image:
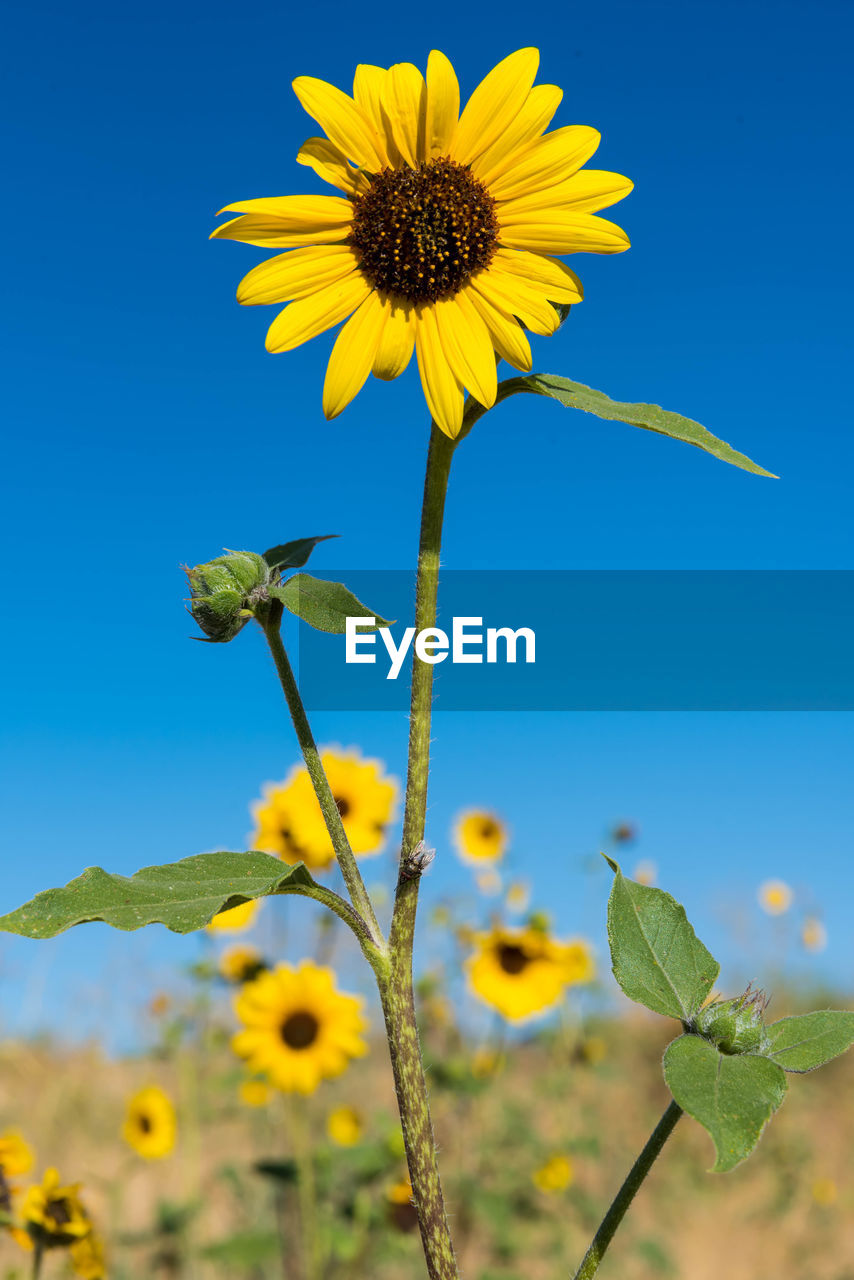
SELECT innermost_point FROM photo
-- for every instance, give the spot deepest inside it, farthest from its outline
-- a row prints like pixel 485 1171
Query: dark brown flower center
pixel 422 232
pixel 59 1212
pixel 145 1124
pixel 299 1030
pixel 512 959
pixel 488 830
pixel 342 805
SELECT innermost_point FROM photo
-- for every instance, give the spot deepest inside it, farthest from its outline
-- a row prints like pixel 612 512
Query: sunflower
pixel 16 1155
pixel 255 1092
pixel 298 1029
pixel 443 240
pixel 775 897
pixel 53 1213
pixel 813 934
pixel 553 1176
pixel 237 919
pixel 480 837
pixel 289 821
pixel 519 972
pixel 150 1125
pixel 87 1258
pixel 578 962
pixel 345 1126
pixel 241 963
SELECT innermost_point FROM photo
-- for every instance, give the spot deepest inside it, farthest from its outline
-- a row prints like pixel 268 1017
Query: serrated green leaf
pixel 656 956
pixel 293 555
pixel 808 1040
pixel 649 417
pixel 326 606
pixel 183 896
pixel 733 1096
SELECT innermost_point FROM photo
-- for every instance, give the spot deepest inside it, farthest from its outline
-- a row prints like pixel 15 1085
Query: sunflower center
pixel 342 805
pixel 488 830
pixel 512 959
pixel 422 232
pixel 299 1030
pixel 145 1125
pixel 58 1212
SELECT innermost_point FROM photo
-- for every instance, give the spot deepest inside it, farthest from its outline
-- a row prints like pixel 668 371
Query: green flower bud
pixel 735 1026
pixel 225 592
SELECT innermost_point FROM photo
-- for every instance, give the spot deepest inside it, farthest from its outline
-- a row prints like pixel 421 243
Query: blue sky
pixel 148 427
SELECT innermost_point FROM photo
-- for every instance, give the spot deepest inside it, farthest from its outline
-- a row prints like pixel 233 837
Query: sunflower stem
pixel 38 1258
pixel 270 624
pixel 627 1192
pixel 396 991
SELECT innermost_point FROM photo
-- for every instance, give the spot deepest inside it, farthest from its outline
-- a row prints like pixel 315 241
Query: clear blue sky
pixel 146 427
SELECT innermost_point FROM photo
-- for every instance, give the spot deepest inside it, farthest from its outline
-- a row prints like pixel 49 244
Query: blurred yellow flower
pixel 489 883
pixel 290 824
pixel 53 1213
pixel 555 1175
pixel 825 1192
pixel 240 963
pixel 445 233
pixel 579 965
pixel 150 1125
pixel 344 1126
pixel 255 1092
pixel 159 1004
pixel 298 1029
pixel 237 920
pixel 518 896
pixel 16 1155
pixel 480 837
pixel 402 1211
pixel 519 972
pixel 775 897
pixel 813 934
pixel 485 1063
pixel 88 1259
pixel 645 872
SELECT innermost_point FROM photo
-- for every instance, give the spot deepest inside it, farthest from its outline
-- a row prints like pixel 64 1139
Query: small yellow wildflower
pixel 555 1175
pixel 345 1126
pixel 775 897
pixel 241 963
pixel 813 935
pixel 480 837
pixel 518 896
pixel 825 1192
pixel 87 1258
pixel 255 1092
pixel 150 1125
pixel 16 1155
pixel 489 883
pixel 53 1213
pixel 237 920
pixel 579 965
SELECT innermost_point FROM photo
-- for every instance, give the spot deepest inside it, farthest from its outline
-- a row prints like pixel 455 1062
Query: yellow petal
pixel 267 233
pixel 535 116
pixel 306 319
pixel 330 164
pixel 404 102
pixel 551 159
pixel 506 336
pixel 547 275
pixel 494 104
pixel 442 391
pixel 353 354
pixel 368 87
pixel 586 191
pixel 396 341
pixel 296 274
pixel 563 231
pixel 443 105
pixel 509 295
pixel 465 342
pixel 287 220
pixel 341 119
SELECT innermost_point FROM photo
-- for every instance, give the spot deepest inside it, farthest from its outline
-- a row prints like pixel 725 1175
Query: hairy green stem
pixel 627 1192
pixel 396 992
pixel 331 816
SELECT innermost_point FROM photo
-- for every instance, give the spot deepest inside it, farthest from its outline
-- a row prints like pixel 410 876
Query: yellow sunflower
pixel 150 1125
pixel 87 1258
pixel 16 1155
pixel 480 837
pixel 579 964
pixel 813 934
pixel 241 963
pixel 519 972
pixel 555 1175
pixel 775 897
pixel 255 1092
pixel 443 240
pixel 298 1029
pixel 237 919
pixel 53 1213
pixel 345 1126
pixel 289 821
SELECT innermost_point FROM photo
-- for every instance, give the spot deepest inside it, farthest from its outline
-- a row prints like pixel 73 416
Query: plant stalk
pixel 349 867
pixel 627 1192
pixel 396 992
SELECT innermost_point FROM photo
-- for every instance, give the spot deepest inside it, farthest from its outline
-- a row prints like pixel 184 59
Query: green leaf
pixel 657 958
pixel 733 1096
pixel 323 605
pixel 809 1040
pixel 182 895
pixel 293 555
pixel 650 417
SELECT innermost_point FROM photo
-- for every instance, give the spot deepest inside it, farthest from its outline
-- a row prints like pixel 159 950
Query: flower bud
pixel 735 1026
pixel 224 593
